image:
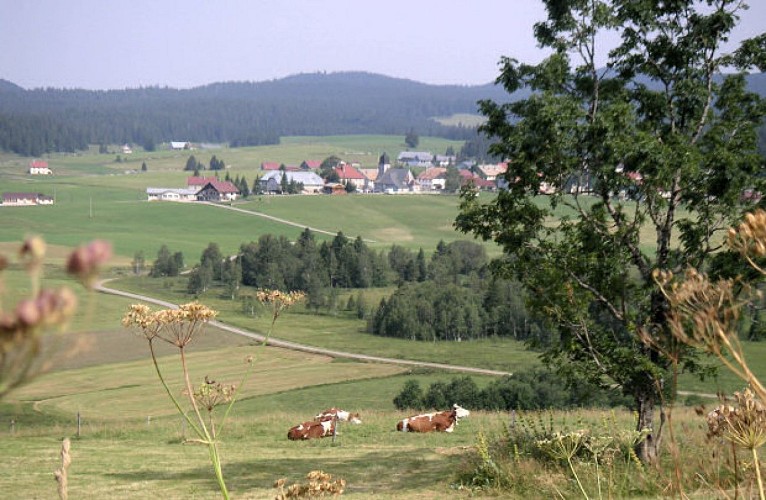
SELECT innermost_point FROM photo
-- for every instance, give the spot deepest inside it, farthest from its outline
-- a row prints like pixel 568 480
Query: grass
pixel 122 453
pixel 139 460
pixel 344 332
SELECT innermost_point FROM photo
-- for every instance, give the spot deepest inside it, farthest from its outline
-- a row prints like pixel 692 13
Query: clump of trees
pixel 533 389
pixel 167 264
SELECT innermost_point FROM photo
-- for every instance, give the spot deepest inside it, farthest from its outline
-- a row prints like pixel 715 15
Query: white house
pixel 39 167
pixel 176 145
pixel 432 179
pixel 26 199
pixel 271 181
pixel 172 194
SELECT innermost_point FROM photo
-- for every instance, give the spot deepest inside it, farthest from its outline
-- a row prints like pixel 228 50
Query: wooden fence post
pixel 13 426
pixel 79 424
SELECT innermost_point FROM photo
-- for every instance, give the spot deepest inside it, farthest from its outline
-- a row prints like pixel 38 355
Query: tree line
pixel 449 295
pixel 533 389
pixel 34 122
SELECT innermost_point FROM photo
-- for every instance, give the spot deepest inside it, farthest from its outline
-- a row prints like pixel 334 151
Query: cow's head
pixel 460 412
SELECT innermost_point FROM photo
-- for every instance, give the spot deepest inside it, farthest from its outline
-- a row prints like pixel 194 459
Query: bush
pixel 533 390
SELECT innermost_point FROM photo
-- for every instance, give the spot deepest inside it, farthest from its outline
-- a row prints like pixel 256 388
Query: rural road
pixel 301 347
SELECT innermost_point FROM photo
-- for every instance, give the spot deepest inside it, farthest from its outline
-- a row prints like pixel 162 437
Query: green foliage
pixel 535 389
pixel 412 139
pixel 626 149
pixel 410 398
pixel 167 264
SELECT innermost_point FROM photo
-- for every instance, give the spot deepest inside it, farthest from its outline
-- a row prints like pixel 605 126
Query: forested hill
pixel 36 121
pixel 33 122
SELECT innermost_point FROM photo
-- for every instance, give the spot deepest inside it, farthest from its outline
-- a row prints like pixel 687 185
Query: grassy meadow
pixel 131 440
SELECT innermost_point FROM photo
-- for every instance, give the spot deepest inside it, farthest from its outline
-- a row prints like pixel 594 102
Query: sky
pixel 116 44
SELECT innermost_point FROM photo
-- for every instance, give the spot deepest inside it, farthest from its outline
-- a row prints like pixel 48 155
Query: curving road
pixel 302 347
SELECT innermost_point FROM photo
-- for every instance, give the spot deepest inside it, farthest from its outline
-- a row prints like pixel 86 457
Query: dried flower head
pixel 277 300
pixel 86 260
pixel 743 425
pixel 702 313
pixel 319 484
pixel 210 394
pixel 174 326
pixel 749 238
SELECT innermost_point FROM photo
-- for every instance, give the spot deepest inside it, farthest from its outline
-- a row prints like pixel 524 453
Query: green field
pixel 130 445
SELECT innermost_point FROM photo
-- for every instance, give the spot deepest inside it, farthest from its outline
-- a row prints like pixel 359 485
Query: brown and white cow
pixel 342 415
pixel 444 421
pixel 311 430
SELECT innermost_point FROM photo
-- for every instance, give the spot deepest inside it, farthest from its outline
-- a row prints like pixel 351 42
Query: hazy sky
pixel 114 44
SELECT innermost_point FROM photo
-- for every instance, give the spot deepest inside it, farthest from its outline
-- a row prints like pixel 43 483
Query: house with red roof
pixel 270 165
pixel 466 176
pixel 218 191
pixel 492 171
pixel 195 181
pixel 348 174
pixel 39 167
pixel 311 164
pixel 432 179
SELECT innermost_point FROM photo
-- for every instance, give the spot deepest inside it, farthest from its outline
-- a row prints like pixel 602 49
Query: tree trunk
pixel 648 448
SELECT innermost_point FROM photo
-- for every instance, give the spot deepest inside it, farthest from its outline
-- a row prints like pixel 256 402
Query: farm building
pixel 39 167
pixel 26 199
pixel 415 158
pixel 178 145
pixel 396 180
pixel 334 188
pixel 492 171
pixel 349 174
pixel 311 165
pixel 271 182
pixel 199 182
pixel 218 191
pixel 172 194
pixel 432 179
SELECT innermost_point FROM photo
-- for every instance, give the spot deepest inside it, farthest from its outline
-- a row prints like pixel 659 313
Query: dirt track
pixel 302 347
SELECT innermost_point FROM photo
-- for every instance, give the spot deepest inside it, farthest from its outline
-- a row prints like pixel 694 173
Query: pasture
pixel 131 441
pixel 130 444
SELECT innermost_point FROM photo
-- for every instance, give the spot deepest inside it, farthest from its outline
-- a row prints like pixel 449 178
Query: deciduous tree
pixel 648 157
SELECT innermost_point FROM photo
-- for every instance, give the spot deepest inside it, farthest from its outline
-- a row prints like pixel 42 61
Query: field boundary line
pixel 286 344
pixel 276 219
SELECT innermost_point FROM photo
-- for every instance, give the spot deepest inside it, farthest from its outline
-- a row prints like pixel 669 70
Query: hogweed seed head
pixel 174 326
pixel 743 425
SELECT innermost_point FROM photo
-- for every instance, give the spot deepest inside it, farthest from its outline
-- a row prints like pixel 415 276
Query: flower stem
pixel 757 466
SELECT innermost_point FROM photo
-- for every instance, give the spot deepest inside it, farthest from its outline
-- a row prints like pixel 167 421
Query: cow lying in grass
pixel 341 415
pixel 312 430
pixel 444 421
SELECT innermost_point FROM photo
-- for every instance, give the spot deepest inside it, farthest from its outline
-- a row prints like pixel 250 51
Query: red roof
pixel 432 173
pixel 313 163
pixel 346 171
pixel 199 181
pixel 270 165
pixel 223 186
pixel 38 164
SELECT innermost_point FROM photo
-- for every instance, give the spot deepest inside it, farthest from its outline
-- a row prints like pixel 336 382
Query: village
pixel 412 172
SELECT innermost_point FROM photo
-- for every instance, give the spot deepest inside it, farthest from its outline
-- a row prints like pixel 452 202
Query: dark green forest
pixel 44 120
pixel 33 122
